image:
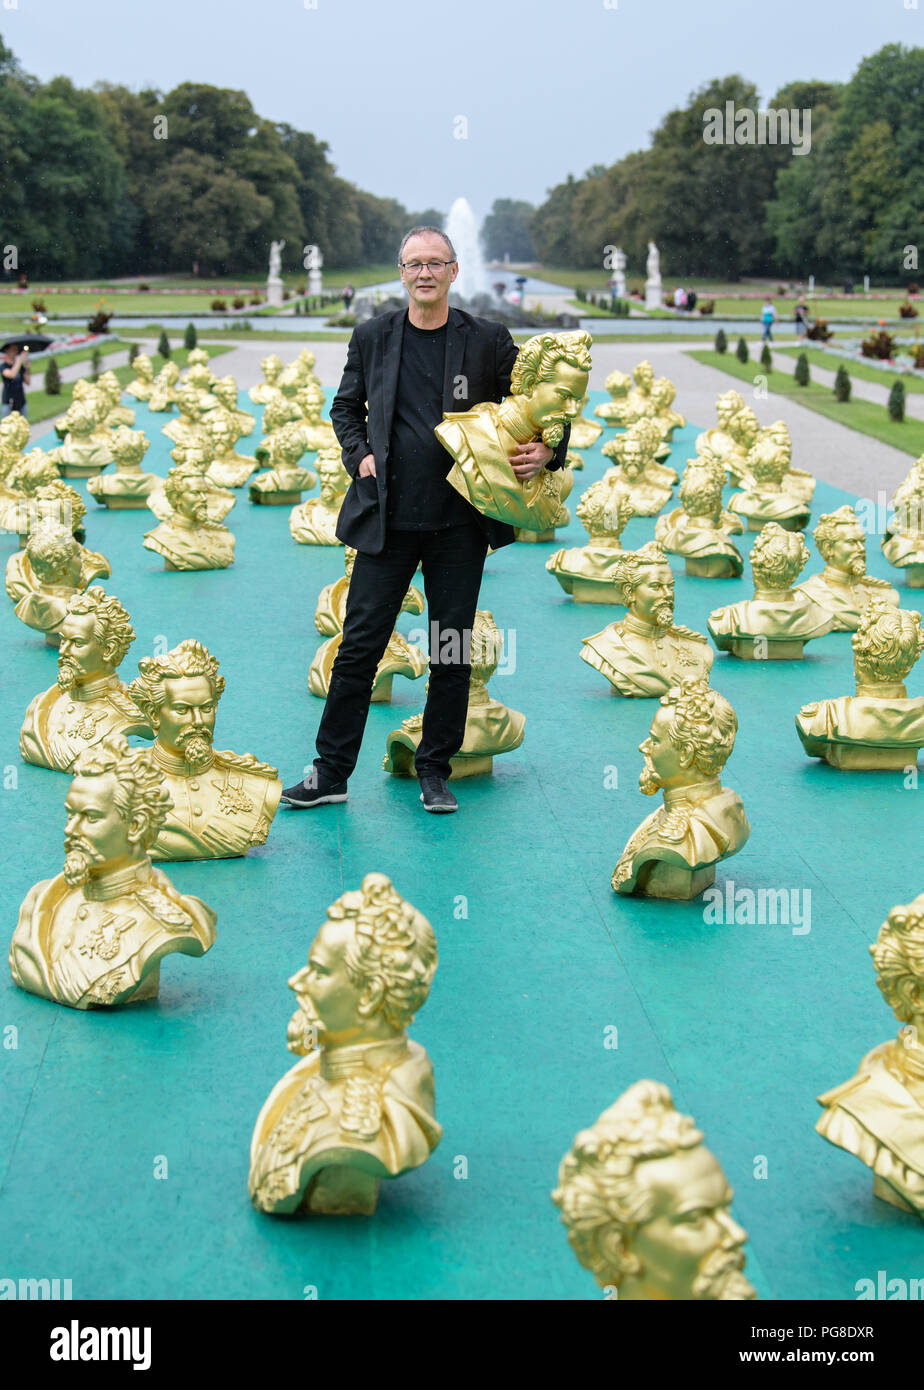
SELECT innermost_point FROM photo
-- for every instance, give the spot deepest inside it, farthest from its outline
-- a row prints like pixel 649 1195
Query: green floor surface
pixel 747 1024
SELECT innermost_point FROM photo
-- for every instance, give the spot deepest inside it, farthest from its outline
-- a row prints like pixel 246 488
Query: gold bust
pixel 117 414
pixel 401 657
pixel 220 500
pixel 795 481
pixel 490 727
pixel 547 384
pixel 586 572
pixel 735 434
pixel 227 468
pixel 764 497
pixel 128 486
pixel 699 530
pixel 263 393
pixel 584 432
pixel 86 449
pixel 612 411
pixel 224 389
pixel 188 540
pixel 89 702
pixel 879 727
pixel 143 384
pixel 360 1105
pixel 163 395
pixel 674 851
pixel 14 436
pixel 647 1208
pixel 51 501
pixel 646 653
pixel 279 412
pixel 778 621
pixel 199 376
pixel 284 482
pixel 903 543
pixel 188 427
pixel 878 1115
pixel 314 521
pixel 24 474
pixel 655 405
pixel 223 803
pixel 843 587
pixel 95 935
pixel 41 579
pixel 637 471
pixel 318 433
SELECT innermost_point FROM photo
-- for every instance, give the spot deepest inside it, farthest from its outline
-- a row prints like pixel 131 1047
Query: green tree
pixel 96 362
pixel 896 405
pixel 505 230
pixel 766 357
pixel 52 378
pixel 741 351
pixel 721 342
pixel 201 211
pixel 190 337
pixel 163 344
pixel 842 384
pixel 802 374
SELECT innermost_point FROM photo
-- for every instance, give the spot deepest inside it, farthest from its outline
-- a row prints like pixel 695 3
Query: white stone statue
pixel 618 282
pixel 275 265
pixel 653 283
pixel 314 262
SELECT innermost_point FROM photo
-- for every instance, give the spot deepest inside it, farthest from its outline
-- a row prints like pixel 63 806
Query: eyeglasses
pixel 414 268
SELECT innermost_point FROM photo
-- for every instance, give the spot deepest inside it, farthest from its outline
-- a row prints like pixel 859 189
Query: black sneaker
pixel 436 796
pixel 314 792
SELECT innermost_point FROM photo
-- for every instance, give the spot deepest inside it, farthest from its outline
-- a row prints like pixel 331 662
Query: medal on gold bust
pixel 89 702
pixel 401 657
pixel 878 1115
pixel 41 579
pixel 223 802
pixel 674 851
pixel 778 621
pixel 490 727
pixel 646 653
pixel 94 936
pixel 547 384
pixel 843 587
pixel 127 487
pixel 879 727
pixel 359 1106
pixel 647 1208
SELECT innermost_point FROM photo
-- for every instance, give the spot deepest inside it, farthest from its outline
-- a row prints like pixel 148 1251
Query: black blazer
pixel 479 358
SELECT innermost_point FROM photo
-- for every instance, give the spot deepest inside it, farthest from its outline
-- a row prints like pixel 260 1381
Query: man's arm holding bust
pixel 529 458
pixel 348 414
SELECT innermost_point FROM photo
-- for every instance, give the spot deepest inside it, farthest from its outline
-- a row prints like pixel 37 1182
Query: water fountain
pixel 462 230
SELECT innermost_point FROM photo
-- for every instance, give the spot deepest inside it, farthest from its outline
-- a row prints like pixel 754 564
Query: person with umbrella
pixel 16 377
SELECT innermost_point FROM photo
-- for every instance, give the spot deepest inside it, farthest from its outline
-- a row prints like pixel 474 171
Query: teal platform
pixel 746 1023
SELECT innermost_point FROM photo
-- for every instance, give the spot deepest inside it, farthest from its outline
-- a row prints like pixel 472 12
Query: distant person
pixel 800 314
pixel 691 300
pixel 848 287
pixel 347 297
pixel 680 298
pixel 16 377
pixel 768 319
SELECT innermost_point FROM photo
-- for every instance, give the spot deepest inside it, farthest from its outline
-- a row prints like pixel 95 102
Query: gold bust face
pixel 80 654
pixel 328 1000
pixel 95 833
pixel 847 550
pixel 186 719
pixel 653 596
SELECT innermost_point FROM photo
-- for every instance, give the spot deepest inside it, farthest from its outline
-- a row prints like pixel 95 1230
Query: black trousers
pixel 452 560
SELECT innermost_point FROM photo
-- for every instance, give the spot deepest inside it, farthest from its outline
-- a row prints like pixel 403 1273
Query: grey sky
pixel 547 87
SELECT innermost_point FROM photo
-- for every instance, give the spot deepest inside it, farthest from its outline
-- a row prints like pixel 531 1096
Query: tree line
pixel 107 181
pixel 849 204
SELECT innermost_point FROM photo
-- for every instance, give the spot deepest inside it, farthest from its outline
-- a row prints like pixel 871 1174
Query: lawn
pixel 83 354
pixel 865 370
pixel 864 416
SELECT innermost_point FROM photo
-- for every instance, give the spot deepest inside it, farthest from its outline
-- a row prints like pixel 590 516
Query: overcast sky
pixel 546 87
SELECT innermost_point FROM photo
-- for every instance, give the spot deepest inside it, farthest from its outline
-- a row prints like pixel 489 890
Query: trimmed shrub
pixel 819 332
pixel 766 357
pixel 237 302
pixel 52 378
pixel 133 352
pixel 219 305
pixel 880 345
pixel 706 306
pixel 802 374
pixel 897 401
pixel 907 310
pixel 842 384
pixel 721 342
pixel 96 361
pixel 190 337
pixel 163 344
pixel 741 351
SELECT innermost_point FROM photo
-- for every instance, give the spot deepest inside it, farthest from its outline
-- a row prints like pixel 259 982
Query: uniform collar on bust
pixel 697 791
pixel 92 690
pixel 100 887
pixel 377 1056
pixel 178 766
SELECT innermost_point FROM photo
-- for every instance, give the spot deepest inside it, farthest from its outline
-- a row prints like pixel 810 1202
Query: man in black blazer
pixel 404 370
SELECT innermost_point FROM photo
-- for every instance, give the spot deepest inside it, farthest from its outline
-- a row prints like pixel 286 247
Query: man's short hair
pixel 704 724
pixel 777 556
pixel 51 548
pixel 175 483
pixel 601 1200
pixel 888 641
pixel 829 525
pixel 433 231
pixel 538 358
pixel 189 658
pixel 111 623
pixel 139 790
pixel 702 483
pixel 393 947
pixel 898 955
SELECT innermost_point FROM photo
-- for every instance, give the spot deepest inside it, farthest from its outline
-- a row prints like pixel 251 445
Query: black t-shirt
pixel 419 498
pixel 14 392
